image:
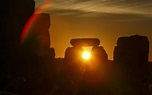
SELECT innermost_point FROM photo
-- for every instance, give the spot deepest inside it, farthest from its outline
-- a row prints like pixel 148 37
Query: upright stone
pixel 131 61
pixel 41 59
pixel 14 15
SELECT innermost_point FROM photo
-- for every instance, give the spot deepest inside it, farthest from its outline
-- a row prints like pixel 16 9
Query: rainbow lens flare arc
pixel 31 20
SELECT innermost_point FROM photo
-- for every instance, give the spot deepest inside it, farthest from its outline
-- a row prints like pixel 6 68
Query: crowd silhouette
pixel 31 68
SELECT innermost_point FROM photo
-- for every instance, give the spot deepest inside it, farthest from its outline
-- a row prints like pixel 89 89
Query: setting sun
pixel 86 55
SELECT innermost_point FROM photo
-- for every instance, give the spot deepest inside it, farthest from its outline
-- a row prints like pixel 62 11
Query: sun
pixel 86 55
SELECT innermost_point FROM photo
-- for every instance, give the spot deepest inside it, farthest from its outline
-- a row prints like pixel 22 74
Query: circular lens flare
pixel 86 55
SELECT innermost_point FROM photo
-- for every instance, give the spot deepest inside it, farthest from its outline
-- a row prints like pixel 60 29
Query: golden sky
pixel 64 28
pixel 104 19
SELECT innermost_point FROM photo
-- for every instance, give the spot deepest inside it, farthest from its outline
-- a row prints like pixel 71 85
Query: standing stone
pixel 131 62
pixel 95 77
pixel 14 15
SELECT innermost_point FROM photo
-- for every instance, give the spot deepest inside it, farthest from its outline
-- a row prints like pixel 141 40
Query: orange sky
pixel 107 29
pixel 104 19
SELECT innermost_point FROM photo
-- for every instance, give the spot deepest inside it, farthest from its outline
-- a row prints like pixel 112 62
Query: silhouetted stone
pixel 73 63
pixel 51 53
pixel 150 69
pixel 14 15
pixel 95 77
pixel 38 33
pixel 39 57
pixel 85 42
pixel 96 70
pixel 19 13
pixel 71 72
pixel 131 62
pixel 99 53
pixel 27 69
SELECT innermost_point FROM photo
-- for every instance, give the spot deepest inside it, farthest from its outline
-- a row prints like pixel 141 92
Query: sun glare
pixel 86 55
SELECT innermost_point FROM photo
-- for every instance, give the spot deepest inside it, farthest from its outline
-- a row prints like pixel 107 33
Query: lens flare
pixel 86 55
pixel 29 25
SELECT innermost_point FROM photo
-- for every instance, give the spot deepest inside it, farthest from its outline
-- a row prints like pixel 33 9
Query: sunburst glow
pixel 86 55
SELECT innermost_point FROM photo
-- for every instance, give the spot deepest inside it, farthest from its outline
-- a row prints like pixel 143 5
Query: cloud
pixel 38 3
pixel 98 7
